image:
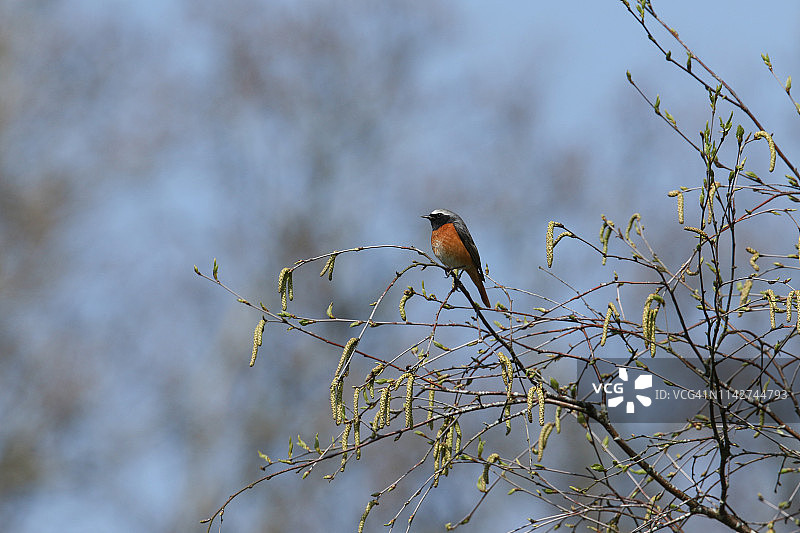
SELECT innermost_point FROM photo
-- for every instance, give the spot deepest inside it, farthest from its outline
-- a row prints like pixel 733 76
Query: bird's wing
pixel 469 244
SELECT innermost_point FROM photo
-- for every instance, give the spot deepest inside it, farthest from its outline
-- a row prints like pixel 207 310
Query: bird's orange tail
pixel 473 274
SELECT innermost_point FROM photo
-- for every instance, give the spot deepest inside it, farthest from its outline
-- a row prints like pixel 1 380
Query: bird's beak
pixel 425 216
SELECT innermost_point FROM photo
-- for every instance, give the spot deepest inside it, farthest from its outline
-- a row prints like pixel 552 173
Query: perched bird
pixel 453 245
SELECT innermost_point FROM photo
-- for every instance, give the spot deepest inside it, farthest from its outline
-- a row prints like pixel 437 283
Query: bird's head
pixel 440 217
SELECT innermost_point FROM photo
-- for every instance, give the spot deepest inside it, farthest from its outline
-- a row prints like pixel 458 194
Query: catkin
pixel 549 243
pixel 771 143
pixel 257 335
pixel 409 397
pixel 679 194
pixel 544 434
pixel 611 310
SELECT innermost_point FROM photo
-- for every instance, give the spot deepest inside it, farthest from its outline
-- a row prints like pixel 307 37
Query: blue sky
pixel 143 413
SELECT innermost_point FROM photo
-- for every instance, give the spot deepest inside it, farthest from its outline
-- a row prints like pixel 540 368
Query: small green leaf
pixel 598 467
pixel 302 444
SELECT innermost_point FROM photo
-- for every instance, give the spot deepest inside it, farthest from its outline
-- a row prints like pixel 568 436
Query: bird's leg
pixel 456 273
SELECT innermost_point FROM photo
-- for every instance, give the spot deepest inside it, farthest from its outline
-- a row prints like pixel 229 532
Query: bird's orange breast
pixel 447 246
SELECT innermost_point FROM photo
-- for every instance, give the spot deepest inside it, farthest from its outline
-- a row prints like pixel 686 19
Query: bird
pixel 453 245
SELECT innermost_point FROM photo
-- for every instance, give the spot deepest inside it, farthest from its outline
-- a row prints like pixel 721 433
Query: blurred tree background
pixel 140 138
